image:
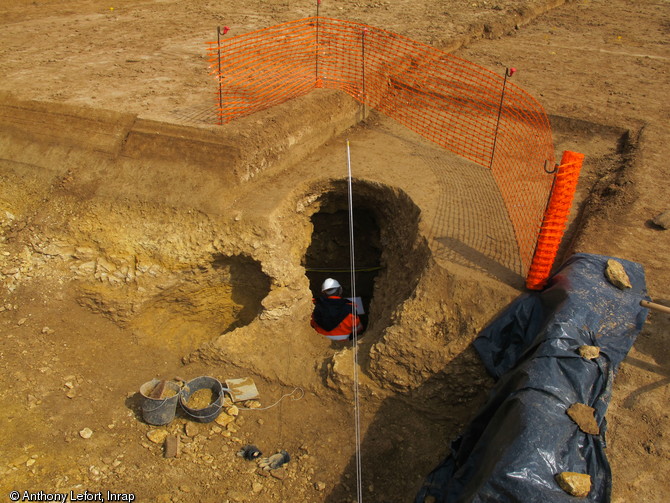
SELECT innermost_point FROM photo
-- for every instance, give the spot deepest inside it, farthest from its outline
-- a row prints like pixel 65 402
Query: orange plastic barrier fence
pixel 457 104
pixel 555 219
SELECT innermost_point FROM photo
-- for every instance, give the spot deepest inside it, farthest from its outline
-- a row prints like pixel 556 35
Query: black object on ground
pixel 249 452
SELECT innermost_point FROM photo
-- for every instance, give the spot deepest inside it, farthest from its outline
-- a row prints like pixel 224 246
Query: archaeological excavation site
pixel 178 181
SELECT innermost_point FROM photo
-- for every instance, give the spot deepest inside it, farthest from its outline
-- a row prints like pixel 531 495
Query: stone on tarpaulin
pixel 589 352
pixel 584 417
pixel 575 484
pixel 616 274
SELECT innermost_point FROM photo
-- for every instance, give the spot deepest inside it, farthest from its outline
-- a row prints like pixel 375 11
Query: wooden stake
pixel 655 307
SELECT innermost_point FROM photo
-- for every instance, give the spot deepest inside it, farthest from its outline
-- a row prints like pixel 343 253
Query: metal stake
pixel 318 3
pixel 508 73
pixel 220 32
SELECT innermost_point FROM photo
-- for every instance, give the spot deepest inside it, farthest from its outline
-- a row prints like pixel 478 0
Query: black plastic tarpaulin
pixel 522 437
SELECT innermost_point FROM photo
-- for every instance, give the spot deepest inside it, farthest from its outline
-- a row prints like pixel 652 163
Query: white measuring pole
pixel 352 264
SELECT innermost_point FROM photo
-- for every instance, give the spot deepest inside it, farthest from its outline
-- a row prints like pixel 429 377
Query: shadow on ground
pixel 410 434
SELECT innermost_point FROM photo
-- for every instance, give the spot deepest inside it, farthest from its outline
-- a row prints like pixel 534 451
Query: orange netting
pixel 457 104
pixel 555 219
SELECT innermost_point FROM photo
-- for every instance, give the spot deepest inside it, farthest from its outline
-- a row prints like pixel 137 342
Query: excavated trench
pixel 183 270
pixel 210 283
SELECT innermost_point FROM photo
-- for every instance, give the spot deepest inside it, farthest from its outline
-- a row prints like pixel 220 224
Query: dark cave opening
pixel 390 255
pixel 328 255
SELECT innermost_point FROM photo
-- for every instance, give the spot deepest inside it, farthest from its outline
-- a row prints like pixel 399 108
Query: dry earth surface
pixel 139 240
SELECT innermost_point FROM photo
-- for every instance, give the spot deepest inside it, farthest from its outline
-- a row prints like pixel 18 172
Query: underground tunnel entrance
pixel 328 256
pixel 389 254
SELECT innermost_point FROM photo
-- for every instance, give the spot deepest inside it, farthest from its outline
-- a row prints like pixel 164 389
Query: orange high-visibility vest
pixel 343 330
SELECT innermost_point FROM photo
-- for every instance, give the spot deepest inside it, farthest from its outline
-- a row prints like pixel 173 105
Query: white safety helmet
pixel 330 286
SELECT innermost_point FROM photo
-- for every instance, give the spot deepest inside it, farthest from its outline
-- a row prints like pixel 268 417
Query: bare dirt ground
pixel 138 241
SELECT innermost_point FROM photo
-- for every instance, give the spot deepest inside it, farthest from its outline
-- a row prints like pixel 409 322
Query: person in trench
pixel 334 316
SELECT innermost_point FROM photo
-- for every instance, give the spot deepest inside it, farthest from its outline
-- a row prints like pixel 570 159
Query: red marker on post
pixel 508 73
pixel 220 32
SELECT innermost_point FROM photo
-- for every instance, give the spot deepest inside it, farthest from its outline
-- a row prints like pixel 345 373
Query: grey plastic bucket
pixel 159 411
pixel 212 411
